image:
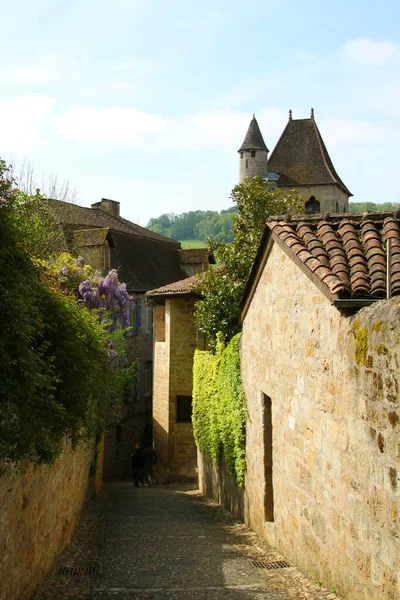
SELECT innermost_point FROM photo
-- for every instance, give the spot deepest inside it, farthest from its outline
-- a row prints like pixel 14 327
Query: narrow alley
pixel 167 543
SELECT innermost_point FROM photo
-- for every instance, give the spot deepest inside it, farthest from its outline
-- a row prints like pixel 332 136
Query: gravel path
pixel 166 543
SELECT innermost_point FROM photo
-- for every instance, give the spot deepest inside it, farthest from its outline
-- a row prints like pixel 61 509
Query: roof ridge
pixel 280 137
pixel 325 155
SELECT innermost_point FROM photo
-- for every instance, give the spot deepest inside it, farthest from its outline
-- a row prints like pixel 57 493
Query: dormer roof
pixel 300 157
pixel 253 139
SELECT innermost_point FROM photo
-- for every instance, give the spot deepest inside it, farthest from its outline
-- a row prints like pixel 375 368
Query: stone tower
pixel 299 161
pixel 253 153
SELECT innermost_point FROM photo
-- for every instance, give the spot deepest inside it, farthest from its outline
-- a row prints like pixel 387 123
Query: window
pixel 241 155
pixel 119 433
pixel 184 409
pixel 148 318
pixel 247 163
pixel 312 206
pixel 337 206
pixel 253 153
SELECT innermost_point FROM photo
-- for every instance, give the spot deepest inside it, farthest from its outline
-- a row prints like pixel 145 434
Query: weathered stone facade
pixel 39 510
pixel 330 197
pixel 323 441
pixel 175 343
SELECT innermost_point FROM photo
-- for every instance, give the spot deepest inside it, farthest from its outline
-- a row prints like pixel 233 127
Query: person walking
pixel 149 459
pixel 137 465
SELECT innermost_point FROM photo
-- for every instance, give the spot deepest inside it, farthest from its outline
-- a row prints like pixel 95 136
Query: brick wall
pixel 333 385
pixel 39 510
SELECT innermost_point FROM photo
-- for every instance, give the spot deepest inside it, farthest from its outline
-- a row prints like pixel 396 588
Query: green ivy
pixel 219 407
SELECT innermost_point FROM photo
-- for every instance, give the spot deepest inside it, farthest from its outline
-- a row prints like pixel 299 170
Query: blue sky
pixel 147 101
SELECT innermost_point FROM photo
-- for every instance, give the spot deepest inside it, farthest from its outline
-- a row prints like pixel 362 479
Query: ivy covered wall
pixel 219 407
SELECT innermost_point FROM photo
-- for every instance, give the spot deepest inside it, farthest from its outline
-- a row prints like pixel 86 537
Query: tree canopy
pixel 197 224
pixel 222 287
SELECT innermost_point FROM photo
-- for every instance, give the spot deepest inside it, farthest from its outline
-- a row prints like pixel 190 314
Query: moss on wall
pixel 361 335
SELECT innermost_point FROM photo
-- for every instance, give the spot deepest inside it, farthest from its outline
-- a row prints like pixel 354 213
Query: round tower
pixel 253 153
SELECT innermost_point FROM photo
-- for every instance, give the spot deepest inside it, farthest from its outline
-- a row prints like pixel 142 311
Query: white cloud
pixel 130 127
pixel 137 63
pixel 22 74
pixel 367 52
pixel 115 126
pixel 339 132
pixel 22 120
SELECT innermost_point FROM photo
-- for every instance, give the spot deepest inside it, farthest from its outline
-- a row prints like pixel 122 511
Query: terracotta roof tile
pixel 346 252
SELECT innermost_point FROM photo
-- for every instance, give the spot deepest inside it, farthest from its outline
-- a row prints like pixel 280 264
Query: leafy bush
pixel 54 366
pixel 222 288
pixel 219 407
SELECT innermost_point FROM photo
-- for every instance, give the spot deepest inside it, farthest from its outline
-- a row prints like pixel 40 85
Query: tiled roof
pixel 195 256
pixel 300 157
pixel 144 264
pixel 253 139
pixel 346 252
pixel 90 237
pixel 82 217
pixel 183 287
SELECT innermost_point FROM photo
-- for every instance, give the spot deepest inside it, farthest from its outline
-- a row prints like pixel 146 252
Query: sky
pixel 147 101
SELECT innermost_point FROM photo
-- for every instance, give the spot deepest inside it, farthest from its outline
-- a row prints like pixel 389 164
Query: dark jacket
pixel 149 455
pixel 137 459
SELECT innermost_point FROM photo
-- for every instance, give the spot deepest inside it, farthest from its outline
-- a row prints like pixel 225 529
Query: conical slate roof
pixel 254 139
pixel 300 157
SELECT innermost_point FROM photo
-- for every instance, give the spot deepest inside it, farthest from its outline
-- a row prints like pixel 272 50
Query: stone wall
pixel 250 166
pixel 331 197
pixel 183 452
pixel 173 365
pixel 322 480
pixel 39 510
pixel 215 482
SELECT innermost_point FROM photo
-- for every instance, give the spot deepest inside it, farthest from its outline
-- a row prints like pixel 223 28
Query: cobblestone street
pixel 167 543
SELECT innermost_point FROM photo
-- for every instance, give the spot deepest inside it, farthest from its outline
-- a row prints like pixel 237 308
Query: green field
pixel 187 244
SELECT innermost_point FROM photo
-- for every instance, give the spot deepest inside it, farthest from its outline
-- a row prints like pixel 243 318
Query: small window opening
pixel 253 153
pixel 241 155
pixel 268 460
pixel 119 433
pixel 337 206
pixel 247 163
pixel 312 206
pixel 184 409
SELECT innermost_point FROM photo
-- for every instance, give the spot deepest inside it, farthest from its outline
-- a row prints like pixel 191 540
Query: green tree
pixel 223 286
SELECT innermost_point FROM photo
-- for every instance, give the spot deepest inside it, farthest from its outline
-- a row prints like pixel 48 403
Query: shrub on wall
pixel 219 409
pixel 54 365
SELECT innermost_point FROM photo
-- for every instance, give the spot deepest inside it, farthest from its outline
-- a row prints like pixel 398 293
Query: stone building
pixel 175 340
pixel 319 358
pixel 145 260
pixel 299 161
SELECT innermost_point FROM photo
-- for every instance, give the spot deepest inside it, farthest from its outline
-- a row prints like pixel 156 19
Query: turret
pixel 253 153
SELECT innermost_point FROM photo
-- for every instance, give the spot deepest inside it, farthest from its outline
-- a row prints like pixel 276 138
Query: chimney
pixel 109 206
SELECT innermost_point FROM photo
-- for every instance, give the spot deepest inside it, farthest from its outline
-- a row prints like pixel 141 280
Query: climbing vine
pixel 219 407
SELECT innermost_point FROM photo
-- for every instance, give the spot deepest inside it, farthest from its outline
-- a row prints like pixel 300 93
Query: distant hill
pixel 194 227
